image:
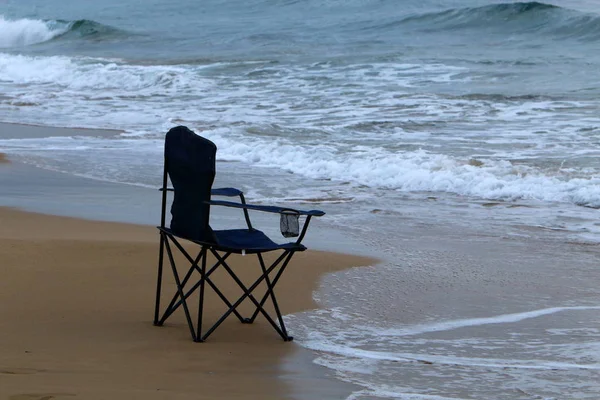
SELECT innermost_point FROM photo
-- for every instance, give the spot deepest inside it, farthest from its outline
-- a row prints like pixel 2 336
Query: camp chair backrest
pixel 190 163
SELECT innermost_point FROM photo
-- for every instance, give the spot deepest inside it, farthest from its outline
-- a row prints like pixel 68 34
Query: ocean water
pixel 421 127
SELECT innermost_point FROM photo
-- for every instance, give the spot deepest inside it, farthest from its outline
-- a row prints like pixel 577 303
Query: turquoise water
pixel 444 120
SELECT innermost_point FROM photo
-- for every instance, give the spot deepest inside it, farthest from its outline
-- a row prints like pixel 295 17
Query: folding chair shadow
pixel 190 165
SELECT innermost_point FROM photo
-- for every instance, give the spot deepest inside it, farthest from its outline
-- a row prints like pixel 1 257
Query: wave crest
pixel 26 32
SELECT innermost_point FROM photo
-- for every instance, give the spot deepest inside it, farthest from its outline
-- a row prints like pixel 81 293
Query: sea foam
pixel 24 32
pixel 412 171
pixel 91 74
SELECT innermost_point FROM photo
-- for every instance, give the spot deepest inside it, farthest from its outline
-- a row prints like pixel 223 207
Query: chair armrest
pixel 227 192
pixel 271 209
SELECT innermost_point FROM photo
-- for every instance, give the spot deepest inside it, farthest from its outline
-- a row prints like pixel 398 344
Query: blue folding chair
pixel 190 165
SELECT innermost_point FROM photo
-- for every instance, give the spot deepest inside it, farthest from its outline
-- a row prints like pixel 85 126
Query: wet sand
pixel 8 131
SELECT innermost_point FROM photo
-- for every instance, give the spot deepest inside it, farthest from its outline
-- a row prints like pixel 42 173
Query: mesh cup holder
pixel 289 224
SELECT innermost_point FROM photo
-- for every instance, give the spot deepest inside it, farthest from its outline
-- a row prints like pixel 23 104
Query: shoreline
pixel 439 279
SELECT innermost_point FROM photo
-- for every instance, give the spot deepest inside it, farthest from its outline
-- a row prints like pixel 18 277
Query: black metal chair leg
pixel 174 305
pixel 275 280
pixel 180 298
pixel 180 290
pixel 247 294
pixel 212 269
pixel 270 292
pixel 159 279
pixel 170 309
pixel 201 298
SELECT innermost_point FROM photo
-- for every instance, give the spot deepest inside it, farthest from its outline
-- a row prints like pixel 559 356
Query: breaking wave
pixel 26 32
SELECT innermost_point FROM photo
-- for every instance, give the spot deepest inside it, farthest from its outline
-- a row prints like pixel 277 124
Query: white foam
pixel 342 351
pixel 378 167
pixel 465 365
pixel 23 32
pixel 463 323
pixel 410 171
pixel 96 77
pixel 389 394
pixel 490 363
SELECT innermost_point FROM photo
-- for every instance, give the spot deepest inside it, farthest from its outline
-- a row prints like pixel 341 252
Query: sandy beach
pixel 77 318
pixel 451 311
pixel 453 147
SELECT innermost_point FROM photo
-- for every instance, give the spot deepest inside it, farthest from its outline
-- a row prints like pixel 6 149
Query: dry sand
pixel 76 318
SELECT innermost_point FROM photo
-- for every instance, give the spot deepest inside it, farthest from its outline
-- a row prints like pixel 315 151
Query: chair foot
pixel 198 341
pixel 157 323
pixel 289 339
pixel 246 321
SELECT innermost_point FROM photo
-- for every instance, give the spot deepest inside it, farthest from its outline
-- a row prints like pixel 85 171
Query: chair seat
pixel 251 241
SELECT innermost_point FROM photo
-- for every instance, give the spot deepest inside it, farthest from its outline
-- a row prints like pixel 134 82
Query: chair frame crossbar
pixel 199 264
